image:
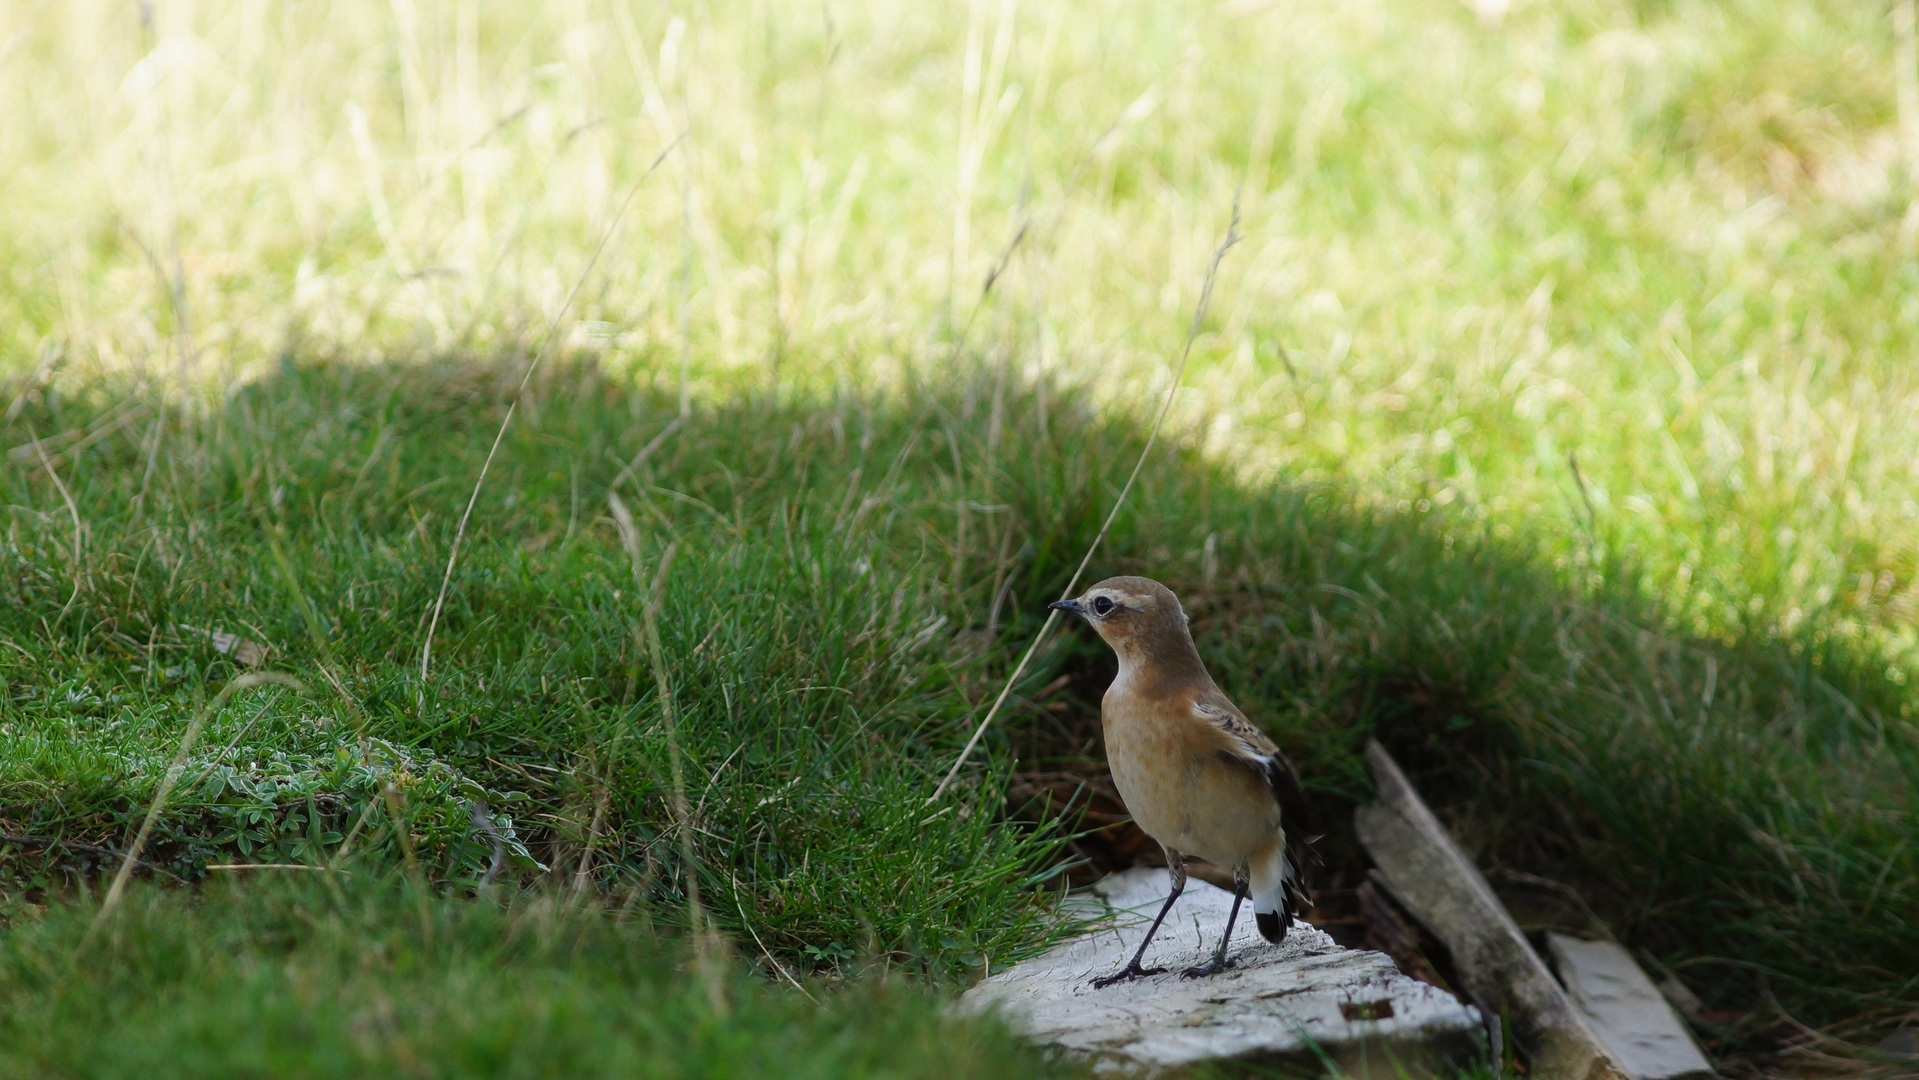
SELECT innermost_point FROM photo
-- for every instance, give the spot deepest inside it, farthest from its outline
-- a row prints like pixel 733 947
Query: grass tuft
pixel 295 978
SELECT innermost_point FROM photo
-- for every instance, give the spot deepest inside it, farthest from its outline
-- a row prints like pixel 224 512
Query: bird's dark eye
pixel 1103 606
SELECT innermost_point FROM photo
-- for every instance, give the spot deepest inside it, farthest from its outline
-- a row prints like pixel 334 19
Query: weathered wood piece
pixel 1433 880
pixel 1304 1001
pixel 1626 1010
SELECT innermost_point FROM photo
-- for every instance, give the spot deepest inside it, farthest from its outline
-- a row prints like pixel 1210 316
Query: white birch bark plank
pixel 1306 1000
pixel 1626 1010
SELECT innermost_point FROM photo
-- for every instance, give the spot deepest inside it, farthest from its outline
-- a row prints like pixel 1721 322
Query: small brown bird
pixel 1196 775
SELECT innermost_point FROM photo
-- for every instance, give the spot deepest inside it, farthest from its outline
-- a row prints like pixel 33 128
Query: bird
pixel 1193 771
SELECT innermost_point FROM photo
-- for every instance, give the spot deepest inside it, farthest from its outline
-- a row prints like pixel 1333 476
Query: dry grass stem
pixel 271 866
pixel 79 531
pixel 179 764
pixel 706 939
pixel 1152 438
pixel 764 951
pixel 546 345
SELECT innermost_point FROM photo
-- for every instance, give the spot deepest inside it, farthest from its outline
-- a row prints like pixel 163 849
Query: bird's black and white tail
pixel 1277 894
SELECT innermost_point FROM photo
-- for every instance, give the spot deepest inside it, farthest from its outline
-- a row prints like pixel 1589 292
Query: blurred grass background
pixel 1556 419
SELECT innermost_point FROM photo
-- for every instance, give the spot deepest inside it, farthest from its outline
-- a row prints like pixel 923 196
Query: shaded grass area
pixel 298 980
pixel 853 576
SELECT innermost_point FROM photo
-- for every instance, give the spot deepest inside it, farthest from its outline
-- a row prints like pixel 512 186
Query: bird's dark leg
pixel 1176 868
pixel 1218 964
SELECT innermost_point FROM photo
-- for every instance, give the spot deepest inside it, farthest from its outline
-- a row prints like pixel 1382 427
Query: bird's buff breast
pixel 1178 790
pixel 1139 758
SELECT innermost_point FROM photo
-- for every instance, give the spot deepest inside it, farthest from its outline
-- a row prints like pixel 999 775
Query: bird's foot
pixel 1130 971
pixel 1212 967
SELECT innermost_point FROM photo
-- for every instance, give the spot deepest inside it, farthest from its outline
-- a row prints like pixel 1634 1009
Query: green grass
pixel 831 627
pixel 810 647
pixel 806 643
pixel 297 980
pixel 1555 421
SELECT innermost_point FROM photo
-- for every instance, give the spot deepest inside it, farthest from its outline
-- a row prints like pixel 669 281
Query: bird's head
pixel 1140 618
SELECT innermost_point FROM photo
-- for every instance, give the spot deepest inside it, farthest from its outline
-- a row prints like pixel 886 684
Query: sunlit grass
pixel 1669 243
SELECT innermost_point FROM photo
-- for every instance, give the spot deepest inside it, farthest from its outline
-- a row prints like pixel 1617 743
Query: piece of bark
pixel 1626 1010
pixel 1299 1004
pixel 1903 1042
pixel 1392 931
pixel 1429 875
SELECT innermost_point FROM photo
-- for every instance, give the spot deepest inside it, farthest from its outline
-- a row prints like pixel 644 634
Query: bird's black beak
pixel 1073 606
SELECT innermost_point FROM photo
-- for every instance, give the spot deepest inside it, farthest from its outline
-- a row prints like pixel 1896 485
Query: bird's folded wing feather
pixel 1250 747
pixel 1245 739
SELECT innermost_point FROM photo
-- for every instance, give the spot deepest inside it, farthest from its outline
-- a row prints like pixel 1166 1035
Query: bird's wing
pixel 1249 746
pixel 1243 737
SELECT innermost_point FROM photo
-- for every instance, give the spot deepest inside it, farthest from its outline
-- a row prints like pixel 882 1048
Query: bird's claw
pixel 1130 971
pixel 1211 967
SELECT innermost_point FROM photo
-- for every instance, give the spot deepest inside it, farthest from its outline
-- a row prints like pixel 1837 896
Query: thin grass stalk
pixel 705 940
pixel 1052 617
pixel 583 875
pixel 546 344
pixel 1905 79
pixel 764 951
pixel 178 766
pixel 79 532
